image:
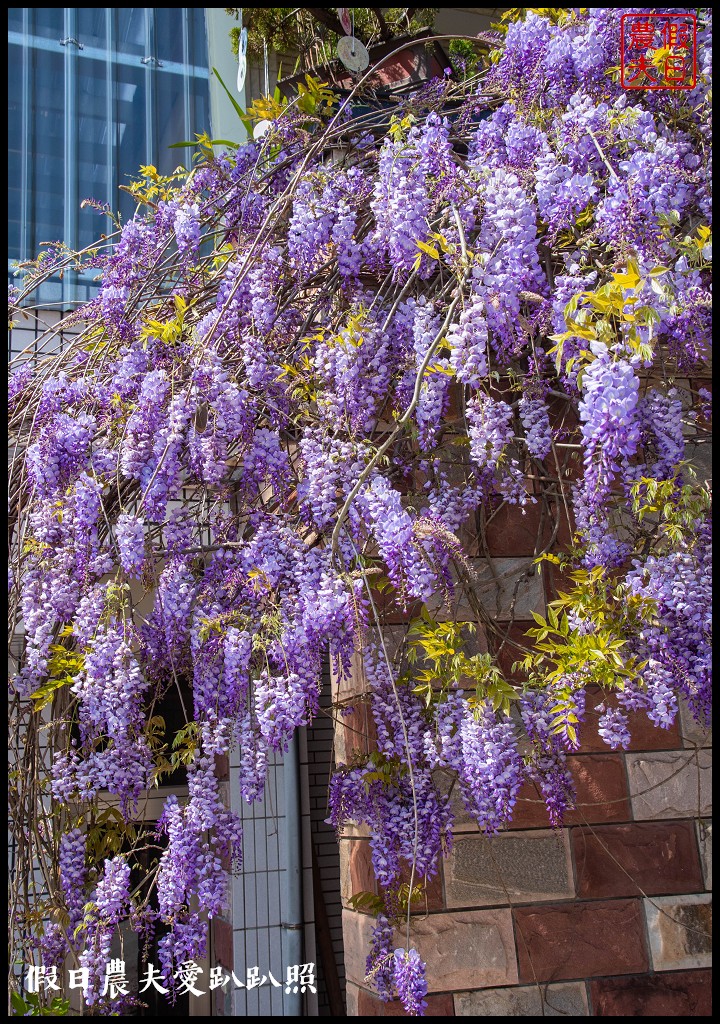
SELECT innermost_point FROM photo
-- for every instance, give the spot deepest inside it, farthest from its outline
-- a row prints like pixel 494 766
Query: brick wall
pixel 608 916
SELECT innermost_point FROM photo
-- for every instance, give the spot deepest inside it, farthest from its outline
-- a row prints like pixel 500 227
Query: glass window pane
pixel 48 22
pixel 129 128
pixel 48 157
pixel 169 33
pixel 91 26
pixel 111 153
pixel 15 19
pixel 198 37
pixel 93 130
pixel 130 31
pixel 169 120
pixel 199 107
pixel 15 140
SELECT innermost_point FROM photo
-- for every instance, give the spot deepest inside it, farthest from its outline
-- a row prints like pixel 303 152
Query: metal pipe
pixel 292 911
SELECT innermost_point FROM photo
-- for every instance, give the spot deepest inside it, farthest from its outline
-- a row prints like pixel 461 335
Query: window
pixel 94 93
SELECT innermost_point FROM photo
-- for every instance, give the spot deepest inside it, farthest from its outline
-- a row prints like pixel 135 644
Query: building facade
pixel 94 93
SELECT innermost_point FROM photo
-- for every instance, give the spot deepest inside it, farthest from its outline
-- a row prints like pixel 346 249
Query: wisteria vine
pixel 314 364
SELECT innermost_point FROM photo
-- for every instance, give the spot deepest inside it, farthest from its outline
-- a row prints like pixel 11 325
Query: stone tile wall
pixel 608 916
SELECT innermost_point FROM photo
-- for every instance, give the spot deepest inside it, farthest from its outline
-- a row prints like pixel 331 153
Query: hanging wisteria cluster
pixel 311 362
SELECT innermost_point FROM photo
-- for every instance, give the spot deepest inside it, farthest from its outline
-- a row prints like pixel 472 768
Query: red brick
pixel 566 529
pixel 455 412
pixel 390 610
pixel 564 420
pixel 468 533
pixel 563 414
pixel 644 735
pixel 222 943
pixel 501 390
pixel 433 898
pixel 509 652
pixel 555 580
pixel 655 858
pixel 602 794
pixel 360 729
pixel 570 460
pixel 362 876
pixel 681 994
pixel 437 1006
pixel 513 531
pixel 580 940
pixel 370 1006
pixel 509 533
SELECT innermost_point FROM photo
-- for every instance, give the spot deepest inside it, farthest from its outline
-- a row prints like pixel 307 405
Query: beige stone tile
pixel 351 999
pixel 693 735
pixel 704 831
pixel 514 867
pixel 562 1000
pixel 672 784
pixel 680 931
pixel 507 588
pixel 461 949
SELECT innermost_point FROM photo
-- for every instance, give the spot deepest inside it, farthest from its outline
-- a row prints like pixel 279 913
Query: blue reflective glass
pixel 168 34
pixel 109 136
pixel 93 133
pixel 48 156
pixel 91 25
pixel 197 37
pixel 199 107
pixel 169 119
pixel 15 141
pixel 48 22
pixel 129 126
pixel 130 34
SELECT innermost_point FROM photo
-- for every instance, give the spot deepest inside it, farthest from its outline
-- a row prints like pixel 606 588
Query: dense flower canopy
pixel 312 359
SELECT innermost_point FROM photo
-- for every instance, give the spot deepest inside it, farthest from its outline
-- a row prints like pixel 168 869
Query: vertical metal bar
pixel 110 109
pixel 70 148
pixel 186 73
pixel 150 85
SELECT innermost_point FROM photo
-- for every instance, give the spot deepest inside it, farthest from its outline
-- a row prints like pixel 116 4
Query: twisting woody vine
pixel 310 360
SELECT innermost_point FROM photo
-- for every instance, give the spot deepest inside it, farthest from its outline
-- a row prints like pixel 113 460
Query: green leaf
pixel 43 696
pixel 429 249
pixel 366 901
pixel 18 1003
pixel 238 109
